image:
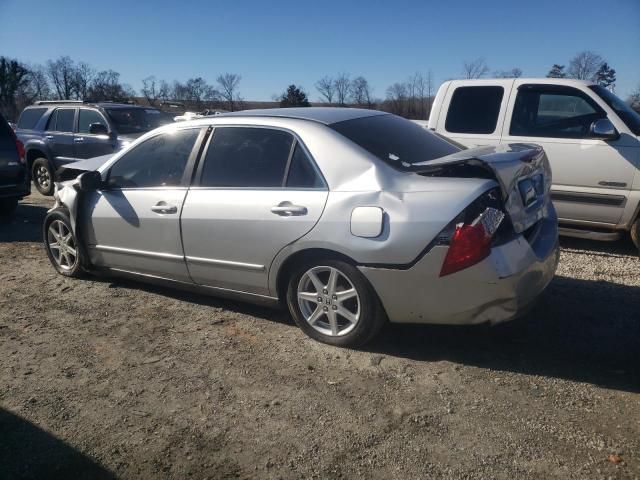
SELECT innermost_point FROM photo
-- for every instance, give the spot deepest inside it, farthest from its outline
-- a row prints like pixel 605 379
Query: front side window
pixel 555 114
pixel 137 120
pixel 157 162
pixel 246 157
pixel 87 117
pixel 30 117
pixel 64 118
pixel 474 110
pixel 627 114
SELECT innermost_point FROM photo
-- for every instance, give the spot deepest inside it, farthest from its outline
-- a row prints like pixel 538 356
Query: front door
pixel 89 145
pixel 256 191
pixel 591 177
pixel 134 222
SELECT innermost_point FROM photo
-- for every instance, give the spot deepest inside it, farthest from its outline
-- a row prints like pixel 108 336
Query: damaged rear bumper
pixel 501 287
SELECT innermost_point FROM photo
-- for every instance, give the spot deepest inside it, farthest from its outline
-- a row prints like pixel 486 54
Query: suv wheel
pixel 61 244
pixel 42 176
pixel 8 206
pixel 332 302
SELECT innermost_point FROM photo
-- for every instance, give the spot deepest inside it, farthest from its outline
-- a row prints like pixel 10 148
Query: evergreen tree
pixel 605 76
pixel 557 71
pixel 294 97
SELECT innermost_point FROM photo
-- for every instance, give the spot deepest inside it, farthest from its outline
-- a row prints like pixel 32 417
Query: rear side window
pixel 62 120
pixel 474 110
pixel 30 117
pixel 564 113
pixel 246 157
pixel 87 117
pixel 158 162
pixel 302 173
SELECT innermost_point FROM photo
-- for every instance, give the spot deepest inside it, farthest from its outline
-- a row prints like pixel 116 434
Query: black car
pixel 14 175
pixel 55 133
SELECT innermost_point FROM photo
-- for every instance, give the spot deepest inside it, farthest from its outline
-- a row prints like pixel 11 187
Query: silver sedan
pixel 349 217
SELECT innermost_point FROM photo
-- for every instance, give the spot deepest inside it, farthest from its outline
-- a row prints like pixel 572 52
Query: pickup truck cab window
pixel 474 109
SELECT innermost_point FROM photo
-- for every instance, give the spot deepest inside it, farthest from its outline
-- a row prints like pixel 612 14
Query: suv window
pixel 302 174
pixel 474 110
pixel 87 117
pixel 30 117
pixel 64 118
pixel 246 157
pixel 565 113
pixel 157 162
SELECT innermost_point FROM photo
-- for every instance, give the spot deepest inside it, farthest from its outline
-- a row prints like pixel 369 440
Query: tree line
pixel 65 79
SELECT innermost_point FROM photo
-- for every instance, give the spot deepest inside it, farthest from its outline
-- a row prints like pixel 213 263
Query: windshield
pixel 395 140
pixel 137 120
pixel 630 117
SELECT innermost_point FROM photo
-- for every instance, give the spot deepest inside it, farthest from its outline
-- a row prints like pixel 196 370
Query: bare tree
pixel 477 68
pixel 513 73
pixel 13 77
pixel 199 92
pixel 429 93
pixel 155 91
pixel 106 86
pixel 634 99
pixel 228 83
pixel 585 65
pixel 62 73
pixel 342 86
pixel 361 92
pixel 35 88
pixel 82 77
pixel 326 88
pixel 397 97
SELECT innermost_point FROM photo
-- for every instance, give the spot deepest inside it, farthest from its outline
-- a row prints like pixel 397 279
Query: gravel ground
pixel 105 378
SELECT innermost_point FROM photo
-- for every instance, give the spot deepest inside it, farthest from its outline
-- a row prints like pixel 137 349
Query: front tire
pixel 42 175
pixel 8 206
pixel 635 233
pixel 61 244
pixel 332 302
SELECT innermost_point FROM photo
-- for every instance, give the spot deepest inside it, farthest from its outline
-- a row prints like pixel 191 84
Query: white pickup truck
pixel 591 137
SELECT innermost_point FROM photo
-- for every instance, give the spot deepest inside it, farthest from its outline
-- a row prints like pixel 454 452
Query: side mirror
pixel 89 181
pixel 603 129
pixel 98 129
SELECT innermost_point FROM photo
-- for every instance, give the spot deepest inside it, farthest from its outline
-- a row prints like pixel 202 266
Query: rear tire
pixel 61 244
pixel 8 206
pixel 635 233
pixel 332 302
pixel 42 175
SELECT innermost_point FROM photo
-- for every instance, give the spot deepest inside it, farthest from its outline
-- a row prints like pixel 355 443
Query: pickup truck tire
pixel 61 243
pixel 8 206
pixel 635 233
pixel 42 175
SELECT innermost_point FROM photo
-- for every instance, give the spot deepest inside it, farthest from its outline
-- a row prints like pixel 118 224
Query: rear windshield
pixel 137 120
pixel 395 140
pixel 629 116
pixel 30 117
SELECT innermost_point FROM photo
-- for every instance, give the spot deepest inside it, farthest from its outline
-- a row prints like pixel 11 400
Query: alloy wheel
pixel 43 177
pixel 62 245
pixel 328 301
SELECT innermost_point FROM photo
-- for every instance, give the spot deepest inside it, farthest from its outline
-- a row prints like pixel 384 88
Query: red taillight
pixel 469 245
pixel 19 146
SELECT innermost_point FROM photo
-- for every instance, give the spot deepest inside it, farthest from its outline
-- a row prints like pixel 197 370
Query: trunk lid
pixel 522 170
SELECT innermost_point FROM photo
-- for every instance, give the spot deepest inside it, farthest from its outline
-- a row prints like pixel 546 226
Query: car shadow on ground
pixel 580 330
pixel 24 225
pixel 28 452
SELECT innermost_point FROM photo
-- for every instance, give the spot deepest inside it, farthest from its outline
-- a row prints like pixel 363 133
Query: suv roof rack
pixel 54 102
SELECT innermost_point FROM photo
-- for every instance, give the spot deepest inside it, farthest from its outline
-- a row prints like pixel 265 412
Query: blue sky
pixel 275 43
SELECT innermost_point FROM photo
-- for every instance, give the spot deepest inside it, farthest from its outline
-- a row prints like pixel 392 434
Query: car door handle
pixel 49 137
pixel 78 139
pixel 162 207
pixel 287 209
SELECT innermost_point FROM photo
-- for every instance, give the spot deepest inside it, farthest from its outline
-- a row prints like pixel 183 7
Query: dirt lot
pixel 112 379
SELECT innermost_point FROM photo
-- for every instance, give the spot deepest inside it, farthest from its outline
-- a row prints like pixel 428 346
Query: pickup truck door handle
pixel 163 207
pixel 78 139
pixel 287 209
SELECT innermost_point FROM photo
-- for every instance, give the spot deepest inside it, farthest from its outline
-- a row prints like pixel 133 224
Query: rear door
pixel 59 135
pixel 256 191
pixel 88 145
pixel 591 177
pixel 473 114
pixel 133 223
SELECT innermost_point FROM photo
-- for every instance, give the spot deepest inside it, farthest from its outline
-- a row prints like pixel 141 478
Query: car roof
pixel 325 115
